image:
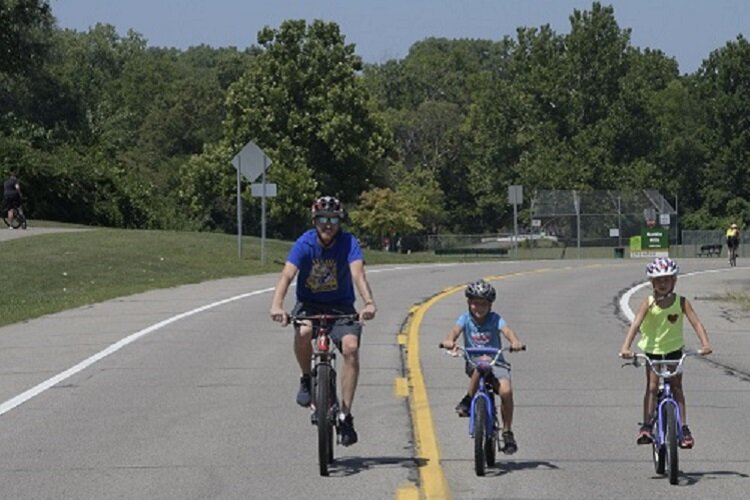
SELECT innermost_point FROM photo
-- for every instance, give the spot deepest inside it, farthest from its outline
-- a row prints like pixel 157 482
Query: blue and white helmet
pixel 662 266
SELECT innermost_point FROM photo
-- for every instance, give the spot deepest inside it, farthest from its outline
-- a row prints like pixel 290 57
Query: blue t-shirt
pixel 324 274
pixel 485 335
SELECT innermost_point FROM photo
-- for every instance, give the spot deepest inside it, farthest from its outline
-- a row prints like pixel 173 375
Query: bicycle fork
pixel 659 423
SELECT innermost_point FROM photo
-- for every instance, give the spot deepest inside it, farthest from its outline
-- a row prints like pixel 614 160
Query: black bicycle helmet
pixel 327 205
pixel 480 289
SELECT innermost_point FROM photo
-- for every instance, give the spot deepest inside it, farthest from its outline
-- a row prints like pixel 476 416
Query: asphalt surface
pixel 202 405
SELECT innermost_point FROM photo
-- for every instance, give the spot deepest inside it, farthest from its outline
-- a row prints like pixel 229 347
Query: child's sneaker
pixel 464 406
pixel 687 438
pixel 509 443
pixel 644 435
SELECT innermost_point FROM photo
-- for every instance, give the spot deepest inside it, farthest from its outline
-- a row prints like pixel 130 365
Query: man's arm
pixel 357 269
pixel 277 304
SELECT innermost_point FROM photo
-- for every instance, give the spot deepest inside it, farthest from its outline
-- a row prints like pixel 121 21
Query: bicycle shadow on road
pixel 691 478
pixel 349 466
pixel 502 468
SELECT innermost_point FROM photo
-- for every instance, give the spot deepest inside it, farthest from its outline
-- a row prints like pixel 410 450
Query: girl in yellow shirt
pixel 660 319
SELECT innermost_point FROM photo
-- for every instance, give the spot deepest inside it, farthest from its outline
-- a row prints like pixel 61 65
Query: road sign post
pixel 515 197
pixel 250 163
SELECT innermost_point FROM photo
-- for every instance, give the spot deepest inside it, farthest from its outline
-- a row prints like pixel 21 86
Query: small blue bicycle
pixel 484 427
pixel 666 422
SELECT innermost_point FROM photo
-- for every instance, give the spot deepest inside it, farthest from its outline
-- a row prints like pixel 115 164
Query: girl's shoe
pixel 687 438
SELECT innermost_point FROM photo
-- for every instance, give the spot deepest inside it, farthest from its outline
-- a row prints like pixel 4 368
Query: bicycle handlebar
pixel 482 351
pixel 321 318
pixel 656 365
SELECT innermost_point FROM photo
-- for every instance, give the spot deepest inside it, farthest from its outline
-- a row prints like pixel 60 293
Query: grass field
pixel 52 272
pixel 49 273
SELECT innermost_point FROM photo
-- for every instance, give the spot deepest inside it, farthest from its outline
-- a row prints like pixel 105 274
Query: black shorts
pixel 341 327
pixel 670 356
pixel 733 242
pixel 12 201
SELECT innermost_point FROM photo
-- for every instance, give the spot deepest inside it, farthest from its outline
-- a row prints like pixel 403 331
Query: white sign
pixel 257 190
pixel 614 232
pixel 664 219
pixel 250 161
pixel 515 194
pixel 536 222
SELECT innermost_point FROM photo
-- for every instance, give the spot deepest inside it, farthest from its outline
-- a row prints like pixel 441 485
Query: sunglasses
pixel 327 220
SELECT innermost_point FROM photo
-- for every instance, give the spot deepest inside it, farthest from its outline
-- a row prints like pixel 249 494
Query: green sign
pixel 654 239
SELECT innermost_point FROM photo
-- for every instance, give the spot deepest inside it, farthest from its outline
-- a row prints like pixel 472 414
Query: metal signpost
pixel 252 162
pixel 515 197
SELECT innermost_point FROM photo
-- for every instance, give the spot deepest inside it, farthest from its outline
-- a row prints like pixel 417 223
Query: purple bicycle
pixel 484 427
pixel 666 422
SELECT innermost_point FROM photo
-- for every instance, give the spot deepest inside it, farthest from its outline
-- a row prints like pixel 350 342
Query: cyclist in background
pixel 733 240
pixel 328 264
pixel 11 197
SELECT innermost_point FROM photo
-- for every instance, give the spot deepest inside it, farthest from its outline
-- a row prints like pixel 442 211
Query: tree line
pixel 103 129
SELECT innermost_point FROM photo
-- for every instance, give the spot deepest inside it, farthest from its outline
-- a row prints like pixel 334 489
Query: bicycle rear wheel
pixel 480 431
pixel 670 439
pixel 322 410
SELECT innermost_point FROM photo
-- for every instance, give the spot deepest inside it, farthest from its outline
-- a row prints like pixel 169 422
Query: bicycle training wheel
pixel 480 431
pixel 671 443
pixel 322 407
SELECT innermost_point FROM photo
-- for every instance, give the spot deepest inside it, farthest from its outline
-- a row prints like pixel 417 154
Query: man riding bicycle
pixel 733 240
pixel 330 263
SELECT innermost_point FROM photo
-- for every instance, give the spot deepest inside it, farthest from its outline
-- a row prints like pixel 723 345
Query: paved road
pixel 7 233
pixel 202 406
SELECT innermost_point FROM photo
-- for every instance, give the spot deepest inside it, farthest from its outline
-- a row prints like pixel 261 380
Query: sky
pixel 687 30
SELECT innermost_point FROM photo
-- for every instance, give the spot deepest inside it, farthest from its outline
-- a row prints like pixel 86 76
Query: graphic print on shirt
pixel 479 338
pixel 323 277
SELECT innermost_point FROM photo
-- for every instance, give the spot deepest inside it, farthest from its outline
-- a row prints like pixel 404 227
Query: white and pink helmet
pixel 662 266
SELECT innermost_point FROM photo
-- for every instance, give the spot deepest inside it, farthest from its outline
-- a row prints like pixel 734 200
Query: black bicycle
pixel 19 219
pixel 325 407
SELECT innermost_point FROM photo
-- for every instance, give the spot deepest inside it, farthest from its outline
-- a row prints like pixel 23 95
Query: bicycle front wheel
pixel 671 443
pixel 480 432
pixel 322 409
pixel 657 448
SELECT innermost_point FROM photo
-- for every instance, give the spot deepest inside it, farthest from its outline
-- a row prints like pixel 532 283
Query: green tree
pixel 25 27
pixel 723 82
pixel 383 212
pixel 302 102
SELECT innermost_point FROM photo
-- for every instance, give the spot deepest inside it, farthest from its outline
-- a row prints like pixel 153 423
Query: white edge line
pixel 51 382
pixel 625 299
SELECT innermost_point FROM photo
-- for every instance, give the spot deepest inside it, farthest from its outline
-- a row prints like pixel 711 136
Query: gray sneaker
pixel 304 398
